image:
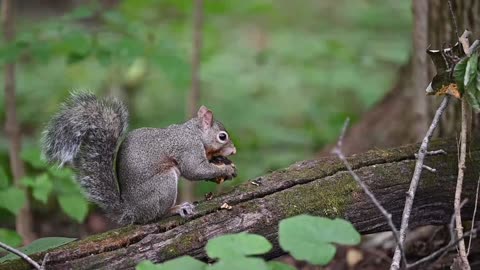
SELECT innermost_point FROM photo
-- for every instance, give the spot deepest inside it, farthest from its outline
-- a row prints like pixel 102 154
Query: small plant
pixel 306 237
pixel 45 182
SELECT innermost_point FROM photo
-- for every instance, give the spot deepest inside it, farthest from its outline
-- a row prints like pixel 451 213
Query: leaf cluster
pixel 306 237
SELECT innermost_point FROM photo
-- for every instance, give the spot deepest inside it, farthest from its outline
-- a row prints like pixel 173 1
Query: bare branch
pixel 388 217
pixel 453 18
pixel 21 255
pixel 442 251
pixel 474 214
pixel 415 181
pixel 465 43
pixel 428 168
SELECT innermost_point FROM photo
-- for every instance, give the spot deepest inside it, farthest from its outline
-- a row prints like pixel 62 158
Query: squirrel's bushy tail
pixel 85 134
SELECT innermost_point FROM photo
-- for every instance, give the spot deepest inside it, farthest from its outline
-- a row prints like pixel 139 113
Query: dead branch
pixel 415 182
pixel 388 217
pixel 320 187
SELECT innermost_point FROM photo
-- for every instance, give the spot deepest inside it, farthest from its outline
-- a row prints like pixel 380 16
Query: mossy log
pixel 320 187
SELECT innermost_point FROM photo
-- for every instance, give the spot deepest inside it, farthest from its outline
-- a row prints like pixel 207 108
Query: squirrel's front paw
pixel 184 209
pixel 230 171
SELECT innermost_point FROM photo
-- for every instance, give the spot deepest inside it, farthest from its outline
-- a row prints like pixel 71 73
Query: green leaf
pixel 184 263
pixel 234 245
pixel 310 238
pixel 41 186
pixel 274 265
pixel 4 182
pixel 39 245
pixel 459 73
pixel 82 12
pixel 239 263
pixel 10 237
pixel 146 265
pixel 32 156
pixel 12 199
pixel 471 70
pixel 75 206
pixel 472 92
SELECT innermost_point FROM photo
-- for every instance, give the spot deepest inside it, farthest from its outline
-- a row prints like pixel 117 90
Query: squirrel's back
pixel 85 135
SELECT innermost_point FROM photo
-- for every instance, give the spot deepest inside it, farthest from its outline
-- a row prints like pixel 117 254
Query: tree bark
pixel 23 222
pixel 320 187
pixel 385 124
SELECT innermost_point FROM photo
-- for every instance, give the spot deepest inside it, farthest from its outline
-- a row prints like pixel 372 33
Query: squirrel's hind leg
pixel 184 209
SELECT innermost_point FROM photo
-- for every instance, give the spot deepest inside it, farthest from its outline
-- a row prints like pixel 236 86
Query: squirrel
pixel 133 176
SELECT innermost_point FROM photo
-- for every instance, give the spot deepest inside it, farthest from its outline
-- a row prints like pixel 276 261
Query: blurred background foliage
pixel 281 75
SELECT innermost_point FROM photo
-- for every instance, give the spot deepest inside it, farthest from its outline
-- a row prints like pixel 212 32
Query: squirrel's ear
pixel 206 117
pixel 202 111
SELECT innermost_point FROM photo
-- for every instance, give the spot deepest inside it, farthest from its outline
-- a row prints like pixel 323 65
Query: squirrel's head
pixel 214 136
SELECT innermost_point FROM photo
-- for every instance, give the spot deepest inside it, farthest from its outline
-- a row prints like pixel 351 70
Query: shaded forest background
pixel 282 76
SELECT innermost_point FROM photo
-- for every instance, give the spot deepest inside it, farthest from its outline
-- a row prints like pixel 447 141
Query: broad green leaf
pixel 32 156
pixel 471 70
pixel 184 263
pixel 237 245
pixel 239 263
pixel 75 206
pixel 10 237
pixel 62 173
pixel 459 73
pixel 146 265
pixel 12 199
pixel 471 82
pixel 274 265
pixel 3 178
pixel 39 245
pixel 41 186
pixel 311 238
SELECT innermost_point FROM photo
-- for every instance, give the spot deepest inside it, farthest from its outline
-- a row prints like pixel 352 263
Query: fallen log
pixel 320 187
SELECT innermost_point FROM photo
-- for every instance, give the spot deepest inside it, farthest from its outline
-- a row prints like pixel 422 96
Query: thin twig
pixel 21 255
pixel 414 183
pixel 462 253
pixel 388 217
pixel 442 251
pixel 428 168
pixel 433 153
pixel 474 214
pixel 454 21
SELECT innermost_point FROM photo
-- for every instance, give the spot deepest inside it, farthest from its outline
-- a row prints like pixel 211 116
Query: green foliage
pixel 74 206
pixel 273 265
pixel 467 77
pixel 39 245
pixel 12 199
pixel 10 237
pixel 3 179
pixel 236 245
pixel 239 263
pixel 310 238
pixel 184 263
pixel 41 186
pixel 282 88
pixel 305 237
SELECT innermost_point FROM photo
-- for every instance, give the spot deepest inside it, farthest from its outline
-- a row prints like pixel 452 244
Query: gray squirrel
pixel 134 180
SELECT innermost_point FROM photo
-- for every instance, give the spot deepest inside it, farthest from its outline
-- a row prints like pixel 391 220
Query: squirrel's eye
pixel 222 136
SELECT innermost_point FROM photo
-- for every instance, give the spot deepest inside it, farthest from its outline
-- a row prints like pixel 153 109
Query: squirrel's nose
pixel 234 150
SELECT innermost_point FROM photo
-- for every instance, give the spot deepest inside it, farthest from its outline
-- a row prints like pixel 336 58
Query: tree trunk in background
pixel 193 102
pixel 398 118
pixel 12 128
